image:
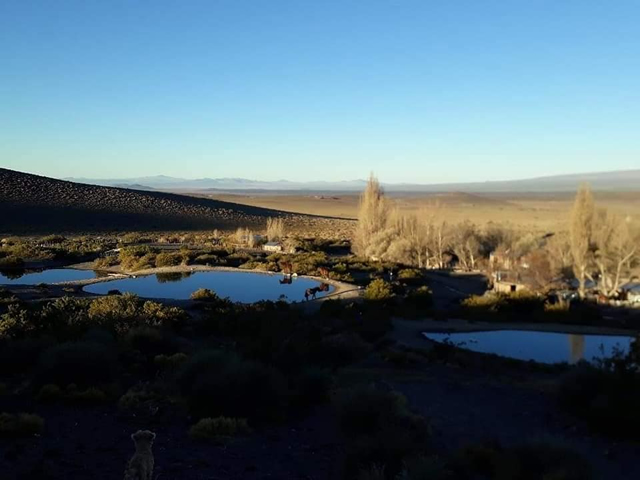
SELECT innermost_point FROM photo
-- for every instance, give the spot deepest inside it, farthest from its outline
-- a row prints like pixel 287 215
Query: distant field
pixel 540 211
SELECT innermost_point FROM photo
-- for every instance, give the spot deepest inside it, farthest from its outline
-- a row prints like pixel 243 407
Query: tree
pixel 466 245
pixel 275 229
pixel 581 234
pixel 373 216
pixel 615 249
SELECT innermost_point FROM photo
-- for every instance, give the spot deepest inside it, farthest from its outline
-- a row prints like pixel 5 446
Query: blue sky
pixel 417 91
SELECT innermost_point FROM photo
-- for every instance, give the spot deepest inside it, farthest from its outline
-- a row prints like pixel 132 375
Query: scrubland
pixel 325 389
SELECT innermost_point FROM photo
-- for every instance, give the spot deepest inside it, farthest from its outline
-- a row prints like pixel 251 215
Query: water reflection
pixel 576 345
pixel 246 287
pixel 172 276
pixel 35 277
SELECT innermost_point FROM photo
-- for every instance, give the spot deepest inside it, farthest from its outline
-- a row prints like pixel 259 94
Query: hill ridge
pixel 34 203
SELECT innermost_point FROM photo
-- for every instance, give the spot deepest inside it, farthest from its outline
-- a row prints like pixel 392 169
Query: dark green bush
pixel 81 363
pixel 533 461
pixel 410 275
pixel 205 295
pixel 20 425
pixel 311 387
pixel 421 297
pixel 217 383
pixel 607 400
pixel 219 429
pixel 378 290
pixel 380 430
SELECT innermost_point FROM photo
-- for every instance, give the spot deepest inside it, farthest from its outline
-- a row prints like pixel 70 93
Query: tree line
pixel 597 244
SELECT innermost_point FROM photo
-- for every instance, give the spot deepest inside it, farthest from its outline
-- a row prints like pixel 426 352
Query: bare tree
pixel 581 234
pixel 373 216
pixel 558 249
pixel 245 236
pixel 466 245
pixel 275 229
pixel 616 249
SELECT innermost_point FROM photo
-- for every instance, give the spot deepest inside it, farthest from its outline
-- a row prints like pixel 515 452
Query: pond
pixel 544 347
pixel 245 287
pixel 36 277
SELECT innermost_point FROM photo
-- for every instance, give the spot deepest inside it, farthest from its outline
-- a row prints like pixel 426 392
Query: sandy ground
pixel 541 212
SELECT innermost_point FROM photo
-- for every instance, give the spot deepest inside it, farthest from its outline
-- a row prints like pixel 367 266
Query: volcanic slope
pixel 35 204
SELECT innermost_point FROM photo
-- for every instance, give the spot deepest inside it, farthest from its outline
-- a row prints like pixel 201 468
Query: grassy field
pixel 544 212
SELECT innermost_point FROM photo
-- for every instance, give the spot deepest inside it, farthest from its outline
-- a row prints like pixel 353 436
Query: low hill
pixel 32 203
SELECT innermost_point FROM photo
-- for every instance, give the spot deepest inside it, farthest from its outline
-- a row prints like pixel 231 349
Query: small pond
pixel 36 277
pixel 544 347
pixel 245 287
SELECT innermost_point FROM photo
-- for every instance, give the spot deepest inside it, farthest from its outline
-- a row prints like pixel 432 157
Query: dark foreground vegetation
pixel 221 375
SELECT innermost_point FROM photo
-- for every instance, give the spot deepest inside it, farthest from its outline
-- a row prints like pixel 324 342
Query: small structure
pixel 273 247
pixel 508 287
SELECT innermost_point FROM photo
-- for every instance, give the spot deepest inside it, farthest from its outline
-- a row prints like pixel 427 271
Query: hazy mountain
pixel 628 180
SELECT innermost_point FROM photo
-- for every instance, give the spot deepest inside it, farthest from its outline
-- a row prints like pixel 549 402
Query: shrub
pixel 205 295
pixel 219 429
pixel 106 262
pixel 11 261
pixel 141 397
pixel 19 356
pixel 532 461
pixel 606 399
pixel 65 316
pixel 421 297
pixel 170 362
pixel 312 387
pixel 118 312
pixel 209 259
pixel 21 425
pixel 147 340
pixel 82 363
pixel 49 393
pixel 169 259
pixel 380 429
pixel 378 290
pixel 89 396
pixel 483 303
pixel 157 314
pixel 374 472
pixel 216 383
pixel 16 322
pixel 137 258
pixel 409 274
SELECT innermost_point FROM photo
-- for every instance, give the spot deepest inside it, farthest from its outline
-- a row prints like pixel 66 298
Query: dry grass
pixel 542 212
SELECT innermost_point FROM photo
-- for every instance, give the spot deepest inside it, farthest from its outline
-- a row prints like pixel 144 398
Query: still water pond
pixel 544 347
pixel 242 287
pixel 54 275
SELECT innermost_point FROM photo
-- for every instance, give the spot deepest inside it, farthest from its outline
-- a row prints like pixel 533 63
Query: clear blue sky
pixel 417 91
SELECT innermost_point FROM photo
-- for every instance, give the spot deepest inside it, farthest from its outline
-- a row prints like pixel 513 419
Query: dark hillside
pixel 31 203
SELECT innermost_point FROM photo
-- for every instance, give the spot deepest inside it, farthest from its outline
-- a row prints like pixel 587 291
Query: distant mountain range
pixel 626 180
